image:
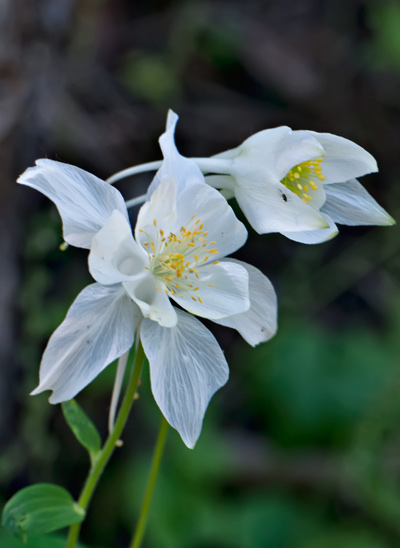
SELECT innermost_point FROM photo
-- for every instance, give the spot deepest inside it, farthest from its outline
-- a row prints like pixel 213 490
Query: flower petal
pixel 350 204
pixel 199 201
pixel 221 290
pixel 259 323
pixel 314 236
pixel 225 183
pixel 270 207
pixel 187 367
pixel 175 165
pixel 115 257
pixel 84 201
pixel 274 151
pixel 294 149
pixel 259 148
pixel 99 327
pixel 158 213
pixel 149 294
pixel 343 159
pixel 215 214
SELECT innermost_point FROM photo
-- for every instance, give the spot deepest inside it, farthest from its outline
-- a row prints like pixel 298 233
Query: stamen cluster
pixel 175 258
pixel 303 177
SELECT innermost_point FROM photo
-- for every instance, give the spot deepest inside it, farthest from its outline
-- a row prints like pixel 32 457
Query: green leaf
pixel 7 540
pixel 39 509
pixel 83 428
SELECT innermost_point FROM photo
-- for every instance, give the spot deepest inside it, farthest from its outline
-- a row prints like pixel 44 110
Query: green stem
pixel 104 455
pixel 155 466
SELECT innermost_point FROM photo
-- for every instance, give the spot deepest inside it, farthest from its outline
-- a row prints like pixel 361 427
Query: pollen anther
pixel 304 176
pixel 176 257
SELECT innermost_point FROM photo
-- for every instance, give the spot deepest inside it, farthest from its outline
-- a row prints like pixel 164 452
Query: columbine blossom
pixel 182 236
pixel 298 183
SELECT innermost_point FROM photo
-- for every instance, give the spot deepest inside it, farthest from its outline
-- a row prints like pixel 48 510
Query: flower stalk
pixel 155 466
pixel 134 170
pixel 136 354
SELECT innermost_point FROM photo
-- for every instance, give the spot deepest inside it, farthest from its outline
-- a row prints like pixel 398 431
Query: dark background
pixel 302 448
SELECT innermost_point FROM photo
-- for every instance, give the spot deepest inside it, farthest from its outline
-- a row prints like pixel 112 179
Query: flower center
pixel 174 259
pixel 303 177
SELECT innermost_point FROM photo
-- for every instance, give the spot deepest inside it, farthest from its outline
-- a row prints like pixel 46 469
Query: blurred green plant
pixel 383 51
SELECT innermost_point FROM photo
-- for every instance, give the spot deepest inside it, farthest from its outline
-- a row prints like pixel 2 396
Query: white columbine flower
pixel 298 183
pixel 181 238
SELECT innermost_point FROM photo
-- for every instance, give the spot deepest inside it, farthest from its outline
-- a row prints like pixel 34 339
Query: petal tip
pixel 189 443
pixel 322 223
pixel 389 221
pixel 333 235
pixel 172 119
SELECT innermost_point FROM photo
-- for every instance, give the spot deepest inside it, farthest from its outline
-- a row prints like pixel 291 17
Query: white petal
pixel 228 295
pixel 294 149
pixel 259 323
pixel 175 165
pixel 158 213
pixel 199 201
pixel 225 183
pixel 318 197
pixel 270 207
pixel 260 148
pixel 149 294
pixel 172 120
pixel 350 204
pixel 216 215
pixel 274 151
pixel 115 257
pixel 84 201
pixel 314 236
pixel 343 159
pixel 187 367
pixel 99 327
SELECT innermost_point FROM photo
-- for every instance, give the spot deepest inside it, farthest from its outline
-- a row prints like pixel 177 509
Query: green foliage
pixel 82 427
pixel 7 540
pixel 345 537
pixel 312 386
pixel 40 509
pixel 384 51
pixel 197 505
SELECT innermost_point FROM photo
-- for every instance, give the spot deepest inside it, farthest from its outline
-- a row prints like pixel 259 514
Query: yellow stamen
pixel 303 177
pixel 176 257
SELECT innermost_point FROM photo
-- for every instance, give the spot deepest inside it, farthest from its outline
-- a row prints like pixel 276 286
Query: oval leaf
pixel 39 509
pixel 83 428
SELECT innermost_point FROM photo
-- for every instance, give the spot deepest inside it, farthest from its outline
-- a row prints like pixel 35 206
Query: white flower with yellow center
pixel 182 236
pixel 298 183
pixel 175 255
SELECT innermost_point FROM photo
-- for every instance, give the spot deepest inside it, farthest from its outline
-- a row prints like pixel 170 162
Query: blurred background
pixel 302 448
